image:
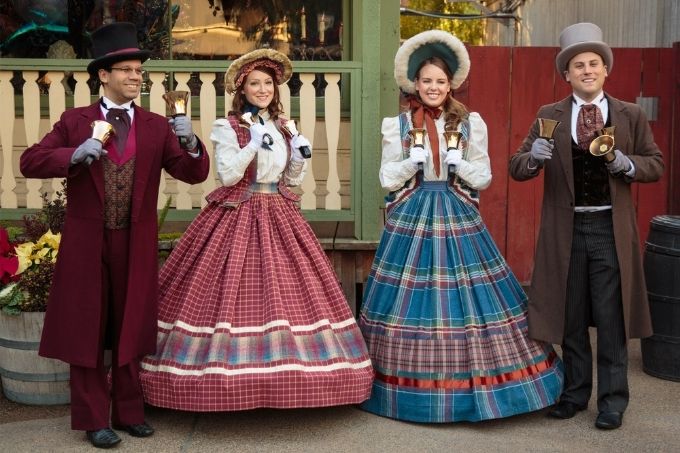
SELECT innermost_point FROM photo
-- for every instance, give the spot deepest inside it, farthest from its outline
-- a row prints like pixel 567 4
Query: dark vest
pixel 119 177
pixel 118 181
pixel 591 177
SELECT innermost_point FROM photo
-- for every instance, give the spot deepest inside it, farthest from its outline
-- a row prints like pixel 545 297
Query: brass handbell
pixel 418 136
pixel 418 139
pixel 177 102
pixel 102 131
pixel 267 139
pixel 603 144
pixel 546 127
pixel 289 125
pixel 452 138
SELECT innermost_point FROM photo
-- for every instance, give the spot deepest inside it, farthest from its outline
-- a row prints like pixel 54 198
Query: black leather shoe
pixel 565 410
pixel 609 420
pixel 103 438
pixel 141 430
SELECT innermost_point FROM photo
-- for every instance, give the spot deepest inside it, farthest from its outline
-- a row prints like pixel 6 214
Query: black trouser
pixel 594 298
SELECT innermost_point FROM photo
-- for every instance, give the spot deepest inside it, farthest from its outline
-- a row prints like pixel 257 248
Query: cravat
pixel 428 115
pixel 121 122
pixel 588 121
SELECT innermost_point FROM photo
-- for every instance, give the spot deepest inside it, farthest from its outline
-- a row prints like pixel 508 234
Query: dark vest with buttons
pixel 591 177
pixel 118 183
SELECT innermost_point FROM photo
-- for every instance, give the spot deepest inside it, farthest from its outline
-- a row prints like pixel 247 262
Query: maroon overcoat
pixel 72 328
pixel 548 290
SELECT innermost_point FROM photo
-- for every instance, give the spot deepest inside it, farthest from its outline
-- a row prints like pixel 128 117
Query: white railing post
pixel 208 115
pixel 184 190
pixel 31 100
pixel 57 105
pixel 307 124
pixel 8 199
pixel 332 117
pixel 157 105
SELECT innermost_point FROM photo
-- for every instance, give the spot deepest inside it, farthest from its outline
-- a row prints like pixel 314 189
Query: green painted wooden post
pixel 376 39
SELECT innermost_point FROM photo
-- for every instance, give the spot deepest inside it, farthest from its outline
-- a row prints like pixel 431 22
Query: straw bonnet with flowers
pixel 268 58
pixel 256 267
pixel 437 271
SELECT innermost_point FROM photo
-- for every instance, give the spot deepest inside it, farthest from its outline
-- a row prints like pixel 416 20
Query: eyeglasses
pixel 128 71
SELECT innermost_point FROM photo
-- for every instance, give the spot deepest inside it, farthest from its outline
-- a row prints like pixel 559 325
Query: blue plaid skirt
pixel 445 319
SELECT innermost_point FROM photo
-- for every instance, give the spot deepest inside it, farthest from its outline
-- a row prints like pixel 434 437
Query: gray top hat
pixel 582 37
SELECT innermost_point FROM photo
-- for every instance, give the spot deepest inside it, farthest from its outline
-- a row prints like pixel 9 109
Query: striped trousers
pixel 594 298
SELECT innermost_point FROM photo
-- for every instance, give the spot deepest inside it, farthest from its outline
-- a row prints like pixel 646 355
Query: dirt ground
pixel 14 412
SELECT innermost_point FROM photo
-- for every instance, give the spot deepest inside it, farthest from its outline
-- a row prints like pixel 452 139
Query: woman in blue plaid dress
pixel 443 316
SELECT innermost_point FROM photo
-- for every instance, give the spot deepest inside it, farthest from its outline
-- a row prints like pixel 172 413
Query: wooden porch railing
pixel 325 119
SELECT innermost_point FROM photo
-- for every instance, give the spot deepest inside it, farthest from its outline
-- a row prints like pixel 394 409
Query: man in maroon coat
pixel 104 290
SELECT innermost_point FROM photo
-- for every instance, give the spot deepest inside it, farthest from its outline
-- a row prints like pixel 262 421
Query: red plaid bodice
pixel 234 195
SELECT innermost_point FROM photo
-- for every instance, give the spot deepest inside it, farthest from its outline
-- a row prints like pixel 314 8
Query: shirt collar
pixel 109 104
pixel 598 99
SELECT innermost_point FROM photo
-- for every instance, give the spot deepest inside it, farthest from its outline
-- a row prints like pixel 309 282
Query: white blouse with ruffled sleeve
pixel 475 169
pixel 232 161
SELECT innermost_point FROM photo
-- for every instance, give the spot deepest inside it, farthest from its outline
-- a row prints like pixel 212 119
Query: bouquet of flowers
pixel 34 271
pixel 26 268
pixel 29 287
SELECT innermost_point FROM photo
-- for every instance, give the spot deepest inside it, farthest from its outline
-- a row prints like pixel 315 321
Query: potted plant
pixel 26 266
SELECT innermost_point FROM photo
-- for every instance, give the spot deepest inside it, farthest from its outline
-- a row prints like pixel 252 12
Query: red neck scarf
pixel 422 113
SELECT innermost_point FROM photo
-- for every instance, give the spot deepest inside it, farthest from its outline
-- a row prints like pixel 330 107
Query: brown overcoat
pixel 548 289
pixel 72 329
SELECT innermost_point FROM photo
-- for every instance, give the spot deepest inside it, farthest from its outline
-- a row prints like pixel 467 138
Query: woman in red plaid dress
pixel 251 313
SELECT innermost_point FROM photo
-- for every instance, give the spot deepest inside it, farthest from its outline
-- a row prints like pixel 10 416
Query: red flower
pixel 9 263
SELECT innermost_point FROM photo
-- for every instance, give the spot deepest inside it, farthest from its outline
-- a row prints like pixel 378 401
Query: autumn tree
pixel 470 31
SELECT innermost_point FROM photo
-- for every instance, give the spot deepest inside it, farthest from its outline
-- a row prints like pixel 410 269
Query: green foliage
pixel 50 217
pixel 11 298
pixel 14 232
pixel 470 31
pixel 36 281
pixel 164 213
pixel 169 236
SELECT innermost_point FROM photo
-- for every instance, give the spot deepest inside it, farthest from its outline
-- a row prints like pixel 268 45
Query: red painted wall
pixel 508 85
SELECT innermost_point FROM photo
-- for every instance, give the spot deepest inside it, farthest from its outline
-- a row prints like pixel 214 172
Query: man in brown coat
pixel 104 293
pixel 587 268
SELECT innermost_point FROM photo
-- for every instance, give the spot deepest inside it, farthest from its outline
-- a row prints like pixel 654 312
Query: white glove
pixel 453 157
pixel 541 150
pixel 418 155
pixel 88 151
pixel 620 164
pixel 181 124
pixel 257 133
pixel 297 142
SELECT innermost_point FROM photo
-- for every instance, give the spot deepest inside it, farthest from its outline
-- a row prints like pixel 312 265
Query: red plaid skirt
pixel 252 315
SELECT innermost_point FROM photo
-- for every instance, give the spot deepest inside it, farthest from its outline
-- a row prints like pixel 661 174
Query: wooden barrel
pixel 661 351
pixel 28 378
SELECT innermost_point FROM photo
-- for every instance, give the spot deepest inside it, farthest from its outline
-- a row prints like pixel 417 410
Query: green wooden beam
pixel 376 38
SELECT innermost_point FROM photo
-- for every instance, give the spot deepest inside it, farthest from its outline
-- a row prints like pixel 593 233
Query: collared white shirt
pixel 131 113
pixel 112 105
pixel 600 101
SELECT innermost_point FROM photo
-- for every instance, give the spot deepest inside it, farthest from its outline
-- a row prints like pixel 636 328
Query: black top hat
pixel 115 42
